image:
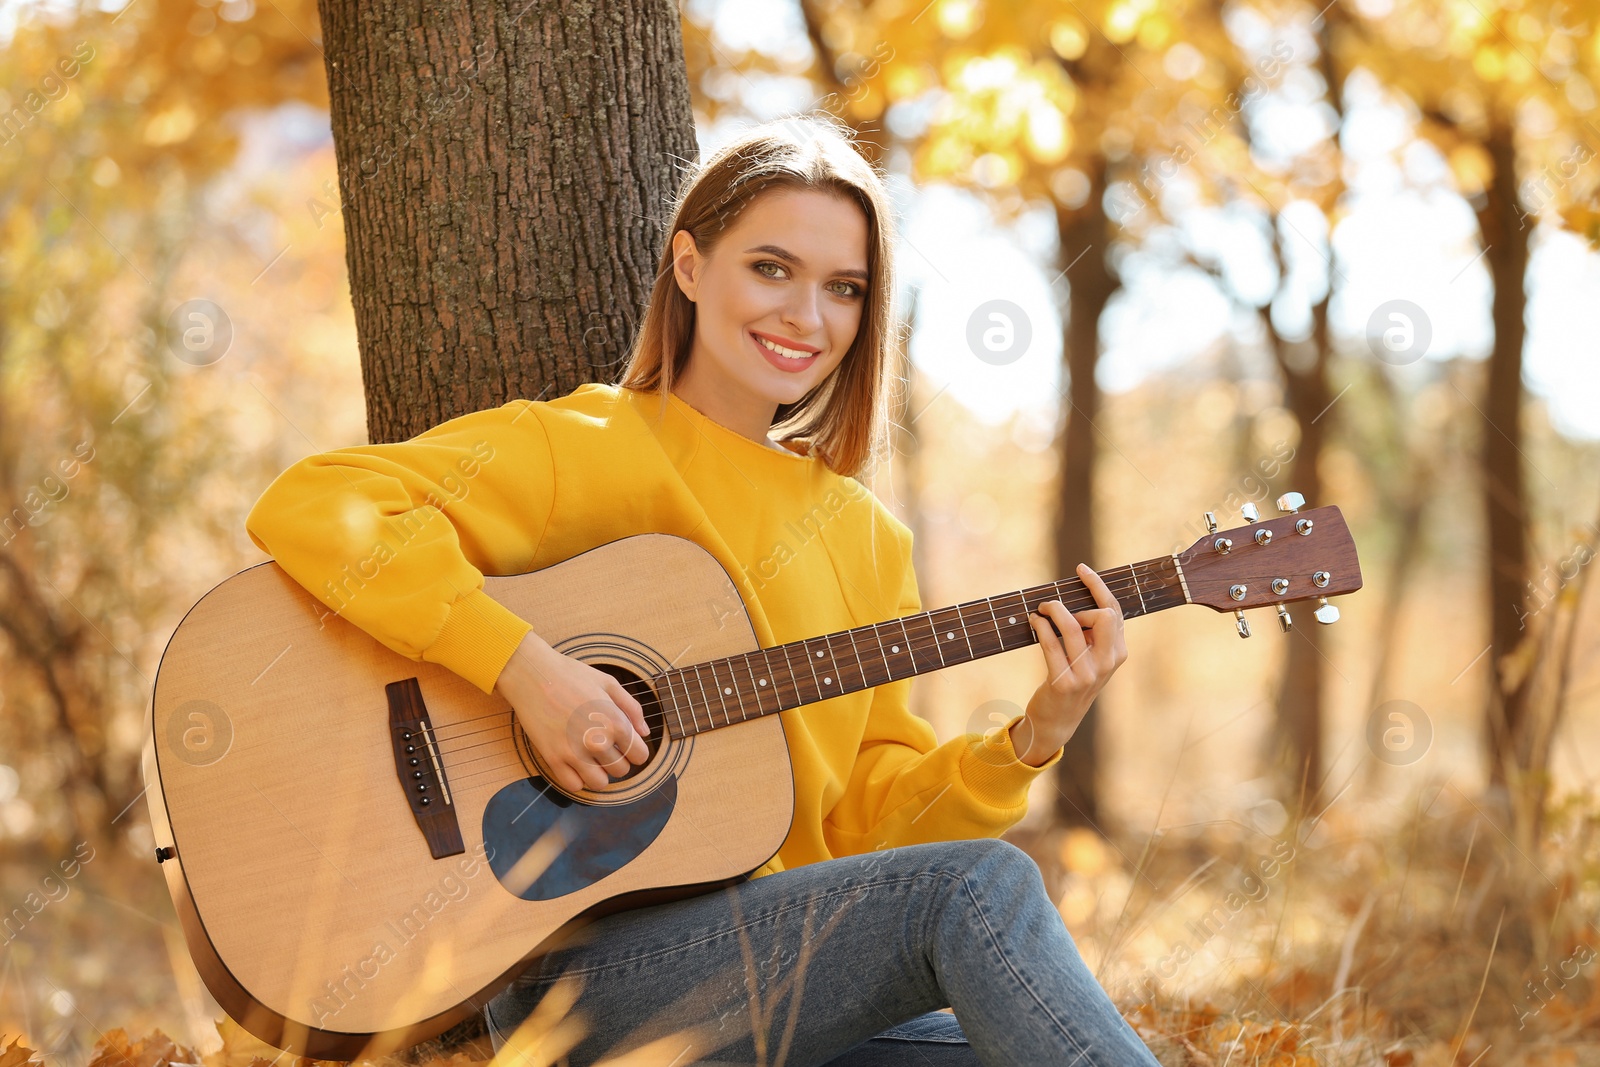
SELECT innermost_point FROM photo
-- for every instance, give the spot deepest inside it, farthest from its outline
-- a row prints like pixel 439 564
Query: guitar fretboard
pixel 717 693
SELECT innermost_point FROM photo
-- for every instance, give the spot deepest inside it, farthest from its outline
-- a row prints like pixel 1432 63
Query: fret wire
pixel 998 636
pixel 694 722
pixel 793 682
pixel 702 684
pixel 1133 573
pixel 754 685
pixel 1151 591
pixel 719 687
pixel 833 657
pixel 739 693
pixel 961 617
pixel 683 676
pixel 805 648
pixel 948 629
pixel 1023 602
pixel 1167 586
pixel 933 633
pixel 676 712
pixel 904 650
pixel 833 665
pixel 1163 586
pixel 911 651
pixel 888 671
pixel 861 667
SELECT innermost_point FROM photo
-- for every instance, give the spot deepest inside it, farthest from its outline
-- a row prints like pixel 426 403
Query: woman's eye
pixel 851 289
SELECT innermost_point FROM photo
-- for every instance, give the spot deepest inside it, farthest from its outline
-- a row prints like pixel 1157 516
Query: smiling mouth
pixel 785 353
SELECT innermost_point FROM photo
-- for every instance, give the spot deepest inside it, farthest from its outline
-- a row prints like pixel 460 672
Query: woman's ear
pixel 686 263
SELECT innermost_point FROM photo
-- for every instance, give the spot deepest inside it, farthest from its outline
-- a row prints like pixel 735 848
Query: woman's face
pixel 791 271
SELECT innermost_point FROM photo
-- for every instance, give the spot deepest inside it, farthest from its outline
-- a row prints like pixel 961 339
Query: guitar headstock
pixel 1302 555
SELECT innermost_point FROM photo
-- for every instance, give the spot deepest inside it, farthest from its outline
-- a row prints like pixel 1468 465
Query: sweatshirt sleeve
pixel 905 788
pixel 396 538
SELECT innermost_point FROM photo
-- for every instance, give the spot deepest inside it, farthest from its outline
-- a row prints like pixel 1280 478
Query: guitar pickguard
pixel 544 845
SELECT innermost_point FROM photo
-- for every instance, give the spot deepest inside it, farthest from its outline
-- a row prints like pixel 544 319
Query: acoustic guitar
pixel 362 849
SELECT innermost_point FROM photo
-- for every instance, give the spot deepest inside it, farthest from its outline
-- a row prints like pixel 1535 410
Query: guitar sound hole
pixel 654 717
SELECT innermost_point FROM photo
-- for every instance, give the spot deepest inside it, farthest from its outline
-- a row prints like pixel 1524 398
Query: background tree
pixel 1033 104
pixel 1507 93
pixel 111 127
pixel 504 173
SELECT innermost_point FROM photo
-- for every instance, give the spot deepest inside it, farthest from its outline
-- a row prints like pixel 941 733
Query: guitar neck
pixel 717 693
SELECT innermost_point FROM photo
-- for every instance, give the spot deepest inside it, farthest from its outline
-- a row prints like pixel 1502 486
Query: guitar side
pixel 319 914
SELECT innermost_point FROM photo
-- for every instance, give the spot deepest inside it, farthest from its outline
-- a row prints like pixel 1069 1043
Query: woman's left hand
pixel 1077 664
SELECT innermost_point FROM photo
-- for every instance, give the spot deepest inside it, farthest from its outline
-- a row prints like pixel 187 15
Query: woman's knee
pixel 997 877
pixel 992 858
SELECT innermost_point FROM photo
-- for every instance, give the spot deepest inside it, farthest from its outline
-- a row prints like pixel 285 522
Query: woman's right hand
pixel 585 727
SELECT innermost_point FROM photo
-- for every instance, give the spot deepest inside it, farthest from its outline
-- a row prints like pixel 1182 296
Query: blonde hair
pixel 843 421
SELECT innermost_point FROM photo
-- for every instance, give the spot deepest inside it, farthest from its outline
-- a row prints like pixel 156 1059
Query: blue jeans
pixel 843 962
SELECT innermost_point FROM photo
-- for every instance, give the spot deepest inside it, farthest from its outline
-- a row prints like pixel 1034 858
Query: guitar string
pixel 657 718
pixel 641 688
pixel 460 780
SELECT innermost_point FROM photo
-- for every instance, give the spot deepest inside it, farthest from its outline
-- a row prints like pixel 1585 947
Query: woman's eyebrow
pixel 783 253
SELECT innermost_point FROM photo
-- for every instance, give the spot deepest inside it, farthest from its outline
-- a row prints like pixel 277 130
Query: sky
pixel 1406 236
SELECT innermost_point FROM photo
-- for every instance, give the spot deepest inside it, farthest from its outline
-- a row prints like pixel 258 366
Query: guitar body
pixel 329 910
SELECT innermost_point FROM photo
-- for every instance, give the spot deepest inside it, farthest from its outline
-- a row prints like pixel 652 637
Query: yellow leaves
pixel 1069 39
pixel 1122 21
pixel 1472 168
pixel 1584 220
pixel 246 50
pixel 17 1055
pixel 170 126
pixel 1047 137
pixel 1155 32
pixel 157 1050
pixel 998 70
pixel 1489 64
pixel 906 80
pixel 958 18
pixel 209 54
pixel 1005 112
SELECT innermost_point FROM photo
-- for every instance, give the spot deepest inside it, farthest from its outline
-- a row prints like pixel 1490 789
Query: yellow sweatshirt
pixel 531 483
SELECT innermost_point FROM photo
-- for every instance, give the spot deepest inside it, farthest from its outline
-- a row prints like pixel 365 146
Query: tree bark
pixel 1085 239
pixel 1505 495
pixel 504 173
pixel 1307 394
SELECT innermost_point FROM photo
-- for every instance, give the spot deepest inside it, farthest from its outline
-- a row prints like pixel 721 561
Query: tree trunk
pixel 1085 238
pixel 503 172
pixel 1505 496
pixel 1300 706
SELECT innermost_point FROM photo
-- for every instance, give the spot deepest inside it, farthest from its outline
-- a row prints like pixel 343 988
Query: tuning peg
pixel 1291 503
pixel 1284 620
pixel 1211 523
pixel 1241 623
pixel 1250 513
pixel 1326 613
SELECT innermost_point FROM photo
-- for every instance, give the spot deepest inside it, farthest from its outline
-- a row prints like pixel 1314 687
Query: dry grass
pixel 1435 941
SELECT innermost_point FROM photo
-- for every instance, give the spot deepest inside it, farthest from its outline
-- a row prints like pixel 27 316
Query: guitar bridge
pixel 421 771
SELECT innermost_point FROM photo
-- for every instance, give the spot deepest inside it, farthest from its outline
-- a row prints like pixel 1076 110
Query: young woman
pixel 753 395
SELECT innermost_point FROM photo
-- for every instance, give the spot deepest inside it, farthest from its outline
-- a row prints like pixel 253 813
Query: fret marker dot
pixel 951 636
pixel 763 682
pixel 894 648
pixel 819 655
pixel 1012 619
pixel 827 681
pixel 726 691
